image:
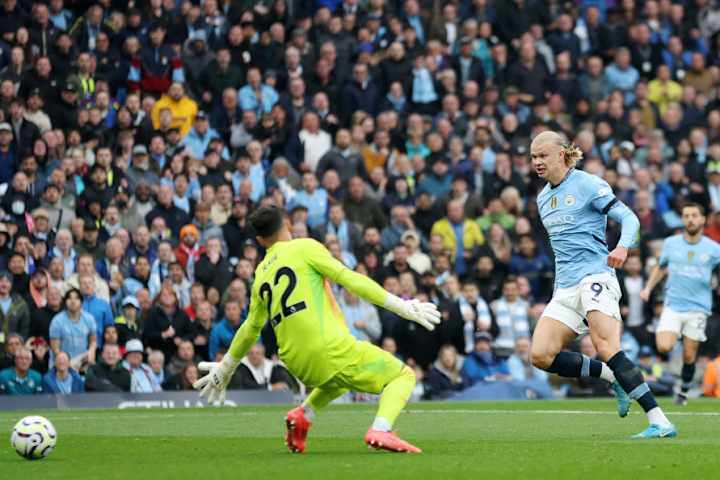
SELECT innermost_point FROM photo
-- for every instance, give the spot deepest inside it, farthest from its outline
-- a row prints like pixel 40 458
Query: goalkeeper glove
pixel 424 313
pixel 212 386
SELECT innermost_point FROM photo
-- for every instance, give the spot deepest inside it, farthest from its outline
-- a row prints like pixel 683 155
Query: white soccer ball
pixel 33 437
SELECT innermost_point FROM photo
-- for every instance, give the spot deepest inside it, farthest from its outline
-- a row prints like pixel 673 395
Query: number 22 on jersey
pixel 286 310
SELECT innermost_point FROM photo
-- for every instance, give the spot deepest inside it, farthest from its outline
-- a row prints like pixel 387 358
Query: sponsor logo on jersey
pixel 569 200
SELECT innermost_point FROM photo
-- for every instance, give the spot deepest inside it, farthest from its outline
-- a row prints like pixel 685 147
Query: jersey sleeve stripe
pixel 609 206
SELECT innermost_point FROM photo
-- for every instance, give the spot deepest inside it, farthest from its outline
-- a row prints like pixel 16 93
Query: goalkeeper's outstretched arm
pixel 426 314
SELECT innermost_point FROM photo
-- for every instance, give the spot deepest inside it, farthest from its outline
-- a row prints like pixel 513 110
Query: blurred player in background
pixel 574 206
pixel 292 291
pixel 688 259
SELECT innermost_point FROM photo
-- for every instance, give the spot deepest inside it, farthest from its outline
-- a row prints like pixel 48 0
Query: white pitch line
pixel 205 413
pixel 555 412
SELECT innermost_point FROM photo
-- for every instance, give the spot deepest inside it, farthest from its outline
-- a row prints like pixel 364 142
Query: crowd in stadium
pixel 137 136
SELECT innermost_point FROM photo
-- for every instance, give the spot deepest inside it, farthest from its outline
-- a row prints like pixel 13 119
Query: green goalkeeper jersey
pixel 292 291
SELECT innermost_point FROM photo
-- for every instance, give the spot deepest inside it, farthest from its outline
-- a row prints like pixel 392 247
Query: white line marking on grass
pixel 553 412
pixel 235 414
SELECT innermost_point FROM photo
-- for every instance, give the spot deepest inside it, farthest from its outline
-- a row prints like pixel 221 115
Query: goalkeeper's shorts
pixel 372 369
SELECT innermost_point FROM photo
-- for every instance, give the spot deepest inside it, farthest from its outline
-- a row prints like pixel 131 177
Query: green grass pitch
pixel 493 440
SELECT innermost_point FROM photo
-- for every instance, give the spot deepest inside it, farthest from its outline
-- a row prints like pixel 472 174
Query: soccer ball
pixel 33 437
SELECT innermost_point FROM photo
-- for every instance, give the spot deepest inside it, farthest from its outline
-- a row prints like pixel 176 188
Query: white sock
pixel 607 374
pixel 657 417
pixel 381 424
pixel 309 413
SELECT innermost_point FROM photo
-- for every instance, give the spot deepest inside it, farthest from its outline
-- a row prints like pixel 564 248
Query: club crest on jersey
pixel 569 200
pixel 553 202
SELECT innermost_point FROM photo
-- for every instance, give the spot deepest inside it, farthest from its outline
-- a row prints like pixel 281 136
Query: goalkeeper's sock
pixel 394 397
pixel 309 413
pixel 574 365
pixel 382 424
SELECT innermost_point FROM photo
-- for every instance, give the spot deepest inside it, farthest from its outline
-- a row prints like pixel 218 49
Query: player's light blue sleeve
pixel 605 201
pixel 629 224
pixel 663 260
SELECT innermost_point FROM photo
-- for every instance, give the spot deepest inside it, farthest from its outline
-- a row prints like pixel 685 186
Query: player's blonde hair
pixel 571 152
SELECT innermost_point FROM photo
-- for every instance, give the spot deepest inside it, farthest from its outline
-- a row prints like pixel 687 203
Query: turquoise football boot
pixel 656 431
pixel 623 400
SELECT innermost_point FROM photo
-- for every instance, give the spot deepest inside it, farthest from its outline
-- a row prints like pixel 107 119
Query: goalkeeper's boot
pixel 378 440
pixel 657 431
pixel 622 398
pixel 297 429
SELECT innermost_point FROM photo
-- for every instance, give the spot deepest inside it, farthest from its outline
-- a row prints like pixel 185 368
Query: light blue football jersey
pixel 690 267
pixel 574 213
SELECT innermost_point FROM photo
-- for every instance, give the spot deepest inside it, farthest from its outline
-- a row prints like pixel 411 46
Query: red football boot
pixel 389 441
pixel 297 429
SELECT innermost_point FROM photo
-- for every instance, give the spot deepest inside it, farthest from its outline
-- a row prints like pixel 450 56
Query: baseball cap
pixel 70 87
pixel 130 300
pixel 35 92
pixel 201 115
pixel 627 145
pixel 90 225
pixel 4 126
pixel 133 345
pixel 139 150
pixel 483 336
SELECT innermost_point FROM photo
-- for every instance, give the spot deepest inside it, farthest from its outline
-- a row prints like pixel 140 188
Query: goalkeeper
pixel 292 290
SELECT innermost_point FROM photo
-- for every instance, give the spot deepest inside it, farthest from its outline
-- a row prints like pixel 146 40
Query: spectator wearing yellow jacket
pixel 663 90
pixel 455 226
pixel 182 108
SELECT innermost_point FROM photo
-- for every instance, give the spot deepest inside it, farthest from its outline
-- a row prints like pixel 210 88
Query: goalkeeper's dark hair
pixel 267 221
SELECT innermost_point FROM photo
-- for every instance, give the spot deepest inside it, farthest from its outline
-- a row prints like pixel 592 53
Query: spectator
pixel 12 344
pixel 156 362
pixel 621 75
pixel 445 376
pixel 183 380
pixel 166 325
pixel 482 365
pixel 108 375
pixel 511 313
pixel 142 379
pixel 21 380
pixel 61 379
pixel 459 235
pixel 256 372
pixel 14 312
pixel 128 324
pixel 314 199
pixel 74 332
pixel 520 366
pixel 361 317
pixel 97 308
pixel 223 332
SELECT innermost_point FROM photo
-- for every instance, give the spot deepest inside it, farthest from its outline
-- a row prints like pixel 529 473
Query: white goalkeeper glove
pixel 424 313
pixel 212 386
